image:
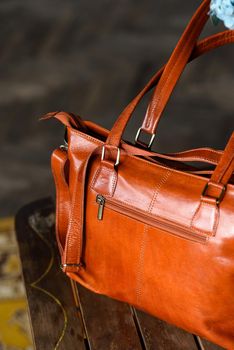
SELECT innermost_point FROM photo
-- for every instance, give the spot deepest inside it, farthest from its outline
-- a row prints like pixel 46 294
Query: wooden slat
pixel 160 335
pixel 210 346
pixel 54 319
pixel 109 323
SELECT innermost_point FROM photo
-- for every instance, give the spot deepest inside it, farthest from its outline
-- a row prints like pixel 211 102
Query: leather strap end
pixel 206 217
pixel 69 267
pixel 68 119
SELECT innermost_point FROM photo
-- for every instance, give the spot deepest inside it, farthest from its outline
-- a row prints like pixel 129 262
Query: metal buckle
pixel 117 158
pixel 64 146
pixel 218 199
pixel 143 143
pixel 71 265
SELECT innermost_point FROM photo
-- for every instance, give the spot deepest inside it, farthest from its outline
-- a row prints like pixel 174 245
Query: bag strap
pixel 68 119
pixel 174 67
pixel 207 45
pixel 152 117
pixel 58 164
pixel 225 167
pixel 203 154
pixel 202 47
pixel 206 216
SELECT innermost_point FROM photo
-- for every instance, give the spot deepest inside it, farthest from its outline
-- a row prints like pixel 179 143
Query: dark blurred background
pixel 92 58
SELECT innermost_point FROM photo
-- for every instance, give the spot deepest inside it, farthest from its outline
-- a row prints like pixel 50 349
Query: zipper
pixel 101 203
pixel 138 215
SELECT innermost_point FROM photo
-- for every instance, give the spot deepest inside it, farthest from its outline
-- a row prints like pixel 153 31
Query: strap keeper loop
pixel 221 195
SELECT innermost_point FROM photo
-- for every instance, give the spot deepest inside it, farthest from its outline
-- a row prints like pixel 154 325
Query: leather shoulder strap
pixel 161 97
pixel 58 165
pixel 207 213
pixel 225 167
pixel 188 41
pixel 203 46
pixel 175 67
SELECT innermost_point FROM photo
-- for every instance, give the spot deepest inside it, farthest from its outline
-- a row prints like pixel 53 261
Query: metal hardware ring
pixel 117 158
pixel 143 143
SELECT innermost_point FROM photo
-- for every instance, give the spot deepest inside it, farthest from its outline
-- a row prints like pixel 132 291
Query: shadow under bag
pixel 147 228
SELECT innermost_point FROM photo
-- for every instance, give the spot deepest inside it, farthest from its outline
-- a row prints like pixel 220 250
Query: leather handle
pixel 185 46
pixel 207 213
pixel 216 186
pixel 152 116
pixel 174 68
pixel 225 167
pixel 200 48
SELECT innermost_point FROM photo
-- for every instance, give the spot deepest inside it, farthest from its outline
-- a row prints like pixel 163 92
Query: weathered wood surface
pixel 66 316
pixel 160 335
pixel 53 316
pixel 109 323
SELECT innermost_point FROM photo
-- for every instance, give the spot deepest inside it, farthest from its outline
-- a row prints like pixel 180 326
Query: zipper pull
pixel 101 203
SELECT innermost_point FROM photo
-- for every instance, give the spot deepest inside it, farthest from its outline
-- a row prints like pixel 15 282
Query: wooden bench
pixel 66 316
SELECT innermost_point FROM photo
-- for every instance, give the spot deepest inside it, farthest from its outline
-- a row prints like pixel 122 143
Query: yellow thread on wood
pixel 42 276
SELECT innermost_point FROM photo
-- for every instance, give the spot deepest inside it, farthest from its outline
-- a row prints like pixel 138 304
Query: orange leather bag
pixel 146 228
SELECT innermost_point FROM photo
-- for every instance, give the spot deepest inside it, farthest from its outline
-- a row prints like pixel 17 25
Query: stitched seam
pixel 209 150
pixel 141 264
pixel 65 184
pixel 80 133
pixel 186 158
pixel 58 196
pixel 114 180
pixel 76 223
pixel 195 214
pixel 107 170
pixel 213 42
pixel 95 178
pixel 145 237
pixel 215 224
pixel 159 187
pixel 198 157
pixel 73 222
pixel 58 191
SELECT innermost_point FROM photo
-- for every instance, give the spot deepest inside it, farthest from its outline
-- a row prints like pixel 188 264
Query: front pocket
pixel 148 219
